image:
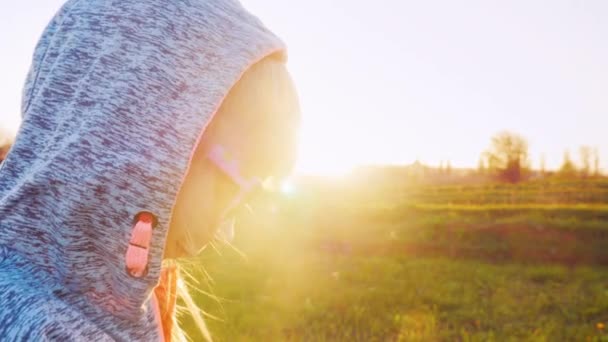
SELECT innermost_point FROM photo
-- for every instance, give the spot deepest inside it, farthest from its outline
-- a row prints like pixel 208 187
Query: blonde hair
pixel 264 100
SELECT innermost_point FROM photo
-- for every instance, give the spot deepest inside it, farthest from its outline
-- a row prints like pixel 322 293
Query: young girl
pixel 145 123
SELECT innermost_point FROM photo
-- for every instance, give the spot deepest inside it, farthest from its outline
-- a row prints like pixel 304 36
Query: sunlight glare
pixel 288 188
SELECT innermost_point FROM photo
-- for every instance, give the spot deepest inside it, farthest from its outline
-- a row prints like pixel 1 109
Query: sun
pixel 325 167
pixel 322 153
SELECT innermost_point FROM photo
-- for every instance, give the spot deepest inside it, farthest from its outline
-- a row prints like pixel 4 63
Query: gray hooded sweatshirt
pixel 118 95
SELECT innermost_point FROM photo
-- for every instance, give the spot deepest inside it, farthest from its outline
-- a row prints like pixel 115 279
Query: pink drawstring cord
pixel 137 255
pixel 137 252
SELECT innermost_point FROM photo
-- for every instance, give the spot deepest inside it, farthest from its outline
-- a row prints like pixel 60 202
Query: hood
pixel 119 93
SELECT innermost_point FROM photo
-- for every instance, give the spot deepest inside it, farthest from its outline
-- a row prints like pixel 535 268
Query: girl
pixel 145 123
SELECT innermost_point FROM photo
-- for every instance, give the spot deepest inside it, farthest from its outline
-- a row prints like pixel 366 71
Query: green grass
pixel 325 269
pixel 378 299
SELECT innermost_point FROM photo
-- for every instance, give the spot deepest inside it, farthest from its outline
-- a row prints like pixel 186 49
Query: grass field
pixel 431 263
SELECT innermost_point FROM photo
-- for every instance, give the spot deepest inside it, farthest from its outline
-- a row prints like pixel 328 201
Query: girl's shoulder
pixel 30 312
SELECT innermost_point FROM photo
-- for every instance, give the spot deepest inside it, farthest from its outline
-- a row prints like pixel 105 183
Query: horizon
pixel 403 81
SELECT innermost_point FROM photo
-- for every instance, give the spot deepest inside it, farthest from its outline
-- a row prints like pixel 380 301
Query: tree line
pixel 507 159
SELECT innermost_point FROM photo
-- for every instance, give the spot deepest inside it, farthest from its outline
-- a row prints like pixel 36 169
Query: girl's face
pixel 257 130
pixel 208 190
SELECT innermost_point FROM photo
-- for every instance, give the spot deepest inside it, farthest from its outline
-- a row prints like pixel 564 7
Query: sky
pixel 404 80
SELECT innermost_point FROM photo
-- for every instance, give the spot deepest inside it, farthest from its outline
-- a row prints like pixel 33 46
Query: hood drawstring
pixel 136 258
pixel 166 297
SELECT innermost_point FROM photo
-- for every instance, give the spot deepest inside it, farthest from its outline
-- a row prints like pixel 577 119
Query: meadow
pixel 344 261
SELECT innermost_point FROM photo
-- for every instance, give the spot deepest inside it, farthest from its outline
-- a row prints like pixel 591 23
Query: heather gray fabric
pixel 117 96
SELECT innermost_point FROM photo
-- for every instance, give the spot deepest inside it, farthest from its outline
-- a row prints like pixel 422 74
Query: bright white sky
pixel 395 81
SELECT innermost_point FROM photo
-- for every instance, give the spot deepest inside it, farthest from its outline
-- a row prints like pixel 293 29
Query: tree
pixel 543 165
pixel 481 166
pixel 568 169
pixel 5 144
pixel 4 151
pixel 585 153
pixel 596 162
pixel 508 156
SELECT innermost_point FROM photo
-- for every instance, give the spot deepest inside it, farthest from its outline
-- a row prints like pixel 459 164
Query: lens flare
pixel 288 188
